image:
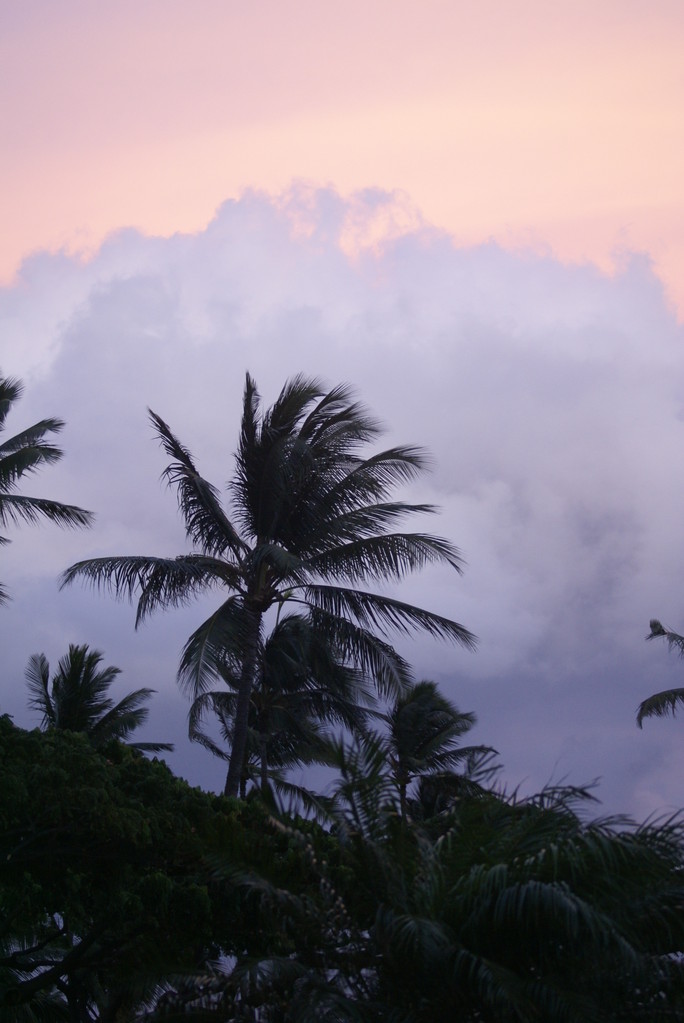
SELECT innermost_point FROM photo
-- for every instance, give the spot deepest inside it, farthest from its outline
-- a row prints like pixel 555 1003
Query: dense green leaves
pixel 121 887
pixel 517 911
pixel 91 878
pixel 108 883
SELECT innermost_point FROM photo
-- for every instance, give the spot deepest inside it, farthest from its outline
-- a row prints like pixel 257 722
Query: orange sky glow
pixel 555 127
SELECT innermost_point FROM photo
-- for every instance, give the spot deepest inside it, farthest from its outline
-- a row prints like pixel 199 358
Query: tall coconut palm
pixel 666 702
pixel 21 455
pixel 308 521
pixel 76 700
pixel 301 688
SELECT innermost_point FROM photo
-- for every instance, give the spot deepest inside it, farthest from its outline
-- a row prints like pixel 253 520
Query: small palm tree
pixel 22 455
pixel 425 731
pixel 301 688
pixel 76 700
pixel 662 704
pixel 310 520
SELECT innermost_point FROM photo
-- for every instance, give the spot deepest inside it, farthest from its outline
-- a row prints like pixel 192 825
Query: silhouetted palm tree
pixel 301 688
pixel 22 455
pixel 308 523
pixel 666 702
pixel 425 731
pixel 76 700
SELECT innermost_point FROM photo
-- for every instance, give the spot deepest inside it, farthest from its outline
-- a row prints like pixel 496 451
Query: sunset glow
pixel 554 128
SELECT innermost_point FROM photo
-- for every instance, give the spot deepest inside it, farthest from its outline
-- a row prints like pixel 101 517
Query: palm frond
pixel 281 564
pixel 32 435
pixel 666 702
pixel 15 508
pixel 80 689
pixel 373 611
pixel 494 987
pixel 290 406
pixel 152 747
pixel 206 523
pixel 161 582
pixel 443 792
pixel 123 718
pixel 369 480
pixel 338 424
pixel 303 668
pixel 244 484
pixel 674 640
pixel 445 760
pixel 26 453
pixel 11 391
pixel 424 724
pixel 389 671
pixel 174 582
pixel 346 524
pixel 660 705
pixel 37 680
pixel 21 455
pixel 204 653
pixel 220 704
pixel 389 556
pixel 362 799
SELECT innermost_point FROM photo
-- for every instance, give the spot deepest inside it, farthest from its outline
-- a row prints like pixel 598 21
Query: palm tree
pixel 20 456
pixel 300 688
pixel 307 522
pixel 661 704
pixel 377 771
pixel 425 730
pixel 76 700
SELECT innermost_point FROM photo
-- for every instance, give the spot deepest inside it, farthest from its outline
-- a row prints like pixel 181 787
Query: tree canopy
pixel 108 884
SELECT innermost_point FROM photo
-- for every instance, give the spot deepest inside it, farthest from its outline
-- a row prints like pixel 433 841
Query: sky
pixel 473 214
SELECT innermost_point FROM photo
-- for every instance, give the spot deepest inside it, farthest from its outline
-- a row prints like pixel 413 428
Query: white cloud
pixel 549 395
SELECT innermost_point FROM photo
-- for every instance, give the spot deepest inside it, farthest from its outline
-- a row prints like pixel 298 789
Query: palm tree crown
pixel 309 519
pixel 77 699
pixel 22 455
pixel 425 730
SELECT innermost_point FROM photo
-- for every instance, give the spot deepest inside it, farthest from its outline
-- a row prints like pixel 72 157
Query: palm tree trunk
pixel 240 730
pixel 403 806
pixel 263 742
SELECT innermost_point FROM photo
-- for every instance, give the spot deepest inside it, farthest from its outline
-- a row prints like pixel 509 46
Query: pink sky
pixel 550 125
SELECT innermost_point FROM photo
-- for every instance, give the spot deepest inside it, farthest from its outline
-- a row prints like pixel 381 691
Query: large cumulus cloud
pixel 549 395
